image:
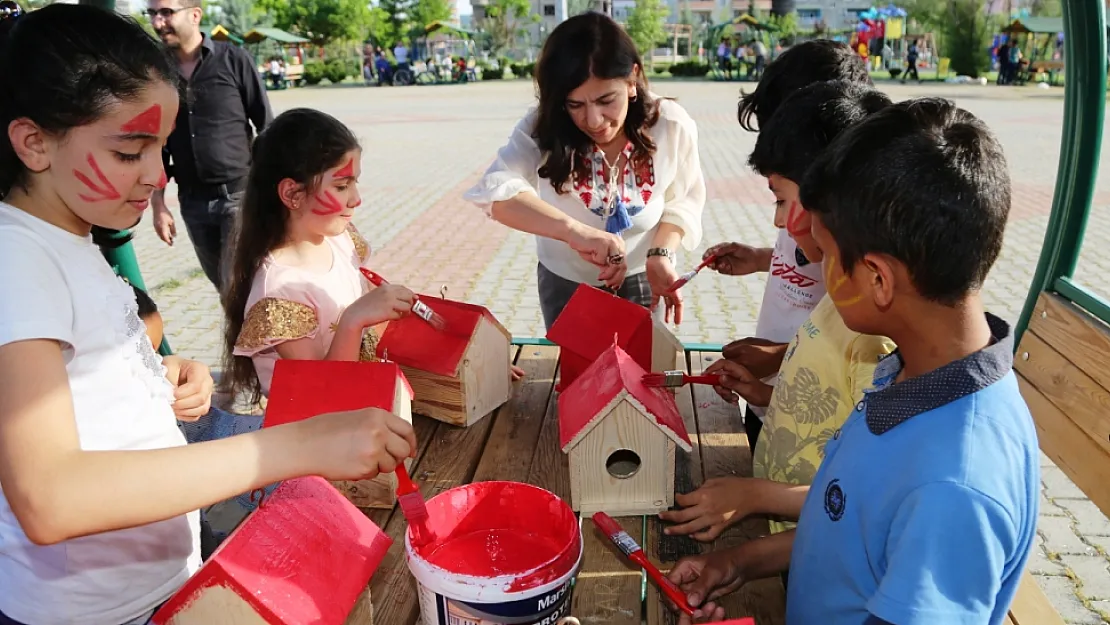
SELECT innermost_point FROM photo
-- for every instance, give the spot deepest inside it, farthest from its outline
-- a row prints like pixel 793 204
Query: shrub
pixel 490 73
pixel 661 68
pixel 335 71
pixel 692 69
pixel 313 72
pixel 966 37
pixel 522 70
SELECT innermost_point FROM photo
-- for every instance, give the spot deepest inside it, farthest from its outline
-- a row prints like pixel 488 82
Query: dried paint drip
pixel 507 553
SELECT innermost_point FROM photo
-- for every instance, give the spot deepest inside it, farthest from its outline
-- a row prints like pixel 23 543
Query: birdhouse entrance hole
pixel 623 463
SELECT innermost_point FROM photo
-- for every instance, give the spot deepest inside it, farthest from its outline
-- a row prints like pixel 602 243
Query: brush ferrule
pixel 626 543
pixel 672 378
pixel 420 309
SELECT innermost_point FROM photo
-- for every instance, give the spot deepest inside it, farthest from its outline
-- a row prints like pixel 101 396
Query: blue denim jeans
pixel 210 220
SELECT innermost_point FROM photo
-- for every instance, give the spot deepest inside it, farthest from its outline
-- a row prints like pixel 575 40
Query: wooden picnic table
pixel 520 442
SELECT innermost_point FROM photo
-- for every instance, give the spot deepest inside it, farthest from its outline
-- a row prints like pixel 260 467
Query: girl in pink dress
pixel 296 290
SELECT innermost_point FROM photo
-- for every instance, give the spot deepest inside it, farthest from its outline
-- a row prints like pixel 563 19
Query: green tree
pixel 645 25
pixel 241 16
pixel 425 12
pixel 280 11
pixel 967 37
pixel 577 7
pixel 505 22
pixel 324 21
pixel 1046 8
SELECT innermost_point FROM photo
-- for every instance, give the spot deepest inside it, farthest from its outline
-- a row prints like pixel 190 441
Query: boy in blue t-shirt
pixel 925 507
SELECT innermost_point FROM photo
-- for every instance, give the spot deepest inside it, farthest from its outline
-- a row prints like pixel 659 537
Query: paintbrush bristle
pixel 413 507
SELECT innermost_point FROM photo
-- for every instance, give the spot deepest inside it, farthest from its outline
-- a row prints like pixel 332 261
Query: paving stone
pixel 1059 486
pixel 1060 538
pixel 1094 573
pixel 1090 521
pixel 1061 592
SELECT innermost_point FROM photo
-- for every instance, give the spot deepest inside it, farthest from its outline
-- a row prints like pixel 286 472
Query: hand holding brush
pixel 689 275
pixel 419 308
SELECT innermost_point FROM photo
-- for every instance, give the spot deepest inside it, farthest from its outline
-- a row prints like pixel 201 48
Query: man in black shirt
pixel 209 151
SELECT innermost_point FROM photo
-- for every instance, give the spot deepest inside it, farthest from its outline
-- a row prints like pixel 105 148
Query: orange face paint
pixel 834 286
pixel 101 190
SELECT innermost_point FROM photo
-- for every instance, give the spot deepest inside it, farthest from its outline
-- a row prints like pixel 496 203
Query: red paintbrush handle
pixel 705 263
pixel 674 593
pixel 374 278
pixel 405 485
pixel 713 380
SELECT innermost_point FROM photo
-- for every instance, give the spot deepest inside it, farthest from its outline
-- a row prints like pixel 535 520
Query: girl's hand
pixel 193 387
pixel 384 303
pixel 737 380
pixel 717 504
pixel 661 275
pixel 601 249
pixel 358 444
pixel 733 259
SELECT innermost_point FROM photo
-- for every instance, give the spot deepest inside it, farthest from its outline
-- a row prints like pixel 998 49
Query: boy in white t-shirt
pixel 98 491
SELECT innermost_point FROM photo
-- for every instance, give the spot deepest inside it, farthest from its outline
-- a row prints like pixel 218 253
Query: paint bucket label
pixel 545 609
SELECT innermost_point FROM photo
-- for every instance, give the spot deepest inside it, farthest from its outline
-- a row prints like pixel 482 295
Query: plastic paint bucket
pixel 505 553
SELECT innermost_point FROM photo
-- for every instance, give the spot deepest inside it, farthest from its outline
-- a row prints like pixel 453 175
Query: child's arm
pixel 384 303
pixel 737 259
pixel 724 501
pixel 58 491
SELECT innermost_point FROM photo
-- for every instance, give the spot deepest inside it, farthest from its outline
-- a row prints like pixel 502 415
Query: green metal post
pixel 1084 109
pixel 126 265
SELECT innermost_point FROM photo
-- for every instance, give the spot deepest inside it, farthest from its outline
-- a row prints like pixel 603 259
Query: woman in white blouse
pixel 603 172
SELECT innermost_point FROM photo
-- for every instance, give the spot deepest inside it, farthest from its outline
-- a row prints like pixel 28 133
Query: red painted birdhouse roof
pixel 612 377
pixel 413 342
pixel 591 318
pixel 303 557
pixel 305 388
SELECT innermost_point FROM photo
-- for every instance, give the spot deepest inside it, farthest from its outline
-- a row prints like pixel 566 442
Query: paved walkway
pixel 425 146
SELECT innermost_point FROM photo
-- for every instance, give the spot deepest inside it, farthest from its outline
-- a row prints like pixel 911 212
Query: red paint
pixel 412 342
pixel 305 388
pixel 586 328
pixel 149 122
pixel 162 180
pixel 614 372
pixel 628 545
pixel 413 507
pixel 794 218
pixel 738 621
pixel 347 171
pixel 303 557
pixel 493 529
pixel 102 190
pixel 331 204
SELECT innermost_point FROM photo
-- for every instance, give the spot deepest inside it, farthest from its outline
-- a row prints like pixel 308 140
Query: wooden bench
pixel 1063 366
pixel 520 442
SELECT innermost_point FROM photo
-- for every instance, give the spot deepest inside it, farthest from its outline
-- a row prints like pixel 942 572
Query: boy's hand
pixel 193 387
pixel 705 578
pixel 736 380
pixel 358 444
pixel 384 303
pixel 735 259
pixel 717 504
pixel 761 357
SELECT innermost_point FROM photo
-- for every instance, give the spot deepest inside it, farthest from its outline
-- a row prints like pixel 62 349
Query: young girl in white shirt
pixel 602 171
pixel 98 520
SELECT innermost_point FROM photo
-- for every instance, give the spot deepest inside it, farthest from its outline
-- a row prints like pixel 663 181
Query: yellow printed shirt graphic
pixel 824 373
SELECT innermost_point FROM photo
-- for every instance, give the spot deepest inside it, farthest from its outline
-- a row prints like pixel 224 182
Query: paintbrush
pixel 412 505
pixel 622 540
pixel 689 275
pixel 675 379
pixel 419 308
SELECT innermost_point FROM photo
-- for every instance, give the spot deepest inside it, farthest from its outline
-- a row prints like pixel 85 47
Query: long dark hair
pixel 590 44
pixel 300 144
pixel 64 65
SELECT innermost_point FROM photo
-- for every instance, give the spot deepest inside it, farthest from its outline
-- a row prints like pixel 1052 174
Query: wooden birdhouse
pixel 587 325
pixel 305 388
pixel 459 374
pixel 620 437
pixel 304 556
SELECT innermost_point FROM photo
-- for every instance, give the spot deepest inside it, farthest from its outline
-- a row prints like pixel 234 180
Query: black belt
pixel 215 190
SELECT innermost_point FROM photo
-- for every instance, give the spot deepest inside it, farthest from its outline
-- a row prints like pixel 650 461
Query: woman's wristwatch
pixel 661 251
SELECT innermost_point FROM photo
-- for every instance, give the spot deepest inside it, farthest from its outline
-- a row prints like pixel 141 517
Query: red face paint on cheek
pixel 148 122
pixel 329 204
pixel 101 190
pixel 162 180
pixel 347 171
pixel 796 223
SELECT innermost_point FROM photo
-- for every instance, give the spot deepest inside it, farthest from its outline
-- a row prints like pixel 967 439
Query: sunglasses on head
pixel 165 14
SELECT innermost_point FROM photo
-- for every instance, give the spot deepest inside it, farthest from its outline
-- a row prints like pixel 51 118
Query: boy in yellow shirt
pixel 826 366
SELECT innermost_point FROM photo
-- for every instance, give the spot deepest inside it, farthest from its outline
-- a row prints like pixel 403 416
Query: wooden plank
pixel 1079 337
pixel 450 460
pixel 1082 399
pixel 1082 459
pixel 549 468
pixel 725 452
pixel 1031 606
pixel 517 426
pixel 608 589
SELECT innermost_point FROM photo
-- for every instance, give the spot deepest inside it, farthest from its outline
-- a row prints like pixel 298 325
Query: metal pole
pixel 123 261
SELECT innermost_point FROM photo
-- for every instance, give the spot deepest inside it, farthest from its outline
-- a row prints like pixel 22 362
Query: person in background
pixel 724 57
pixel 911 62
pixel 401 55
pixel 209 151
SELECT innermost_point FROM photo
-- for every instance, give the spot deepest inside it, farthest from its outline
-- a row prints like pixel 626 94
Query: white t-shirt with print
pixel 56 285
pixel 794 287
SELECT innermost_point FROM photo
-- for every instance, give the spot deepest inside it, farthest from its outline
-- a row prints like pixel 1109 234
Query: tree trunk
pixel 107 5
pixel 782 7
